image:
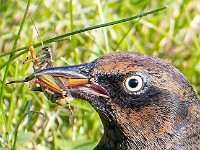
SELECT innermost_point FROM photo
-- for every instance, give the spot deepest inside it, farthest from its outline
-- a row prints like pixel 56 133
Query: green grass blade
pixel 3 112
pixel 86 29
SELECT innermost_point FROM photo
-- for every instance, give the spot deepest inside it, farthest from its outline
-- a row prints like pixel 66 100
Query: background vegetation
pixel 172 34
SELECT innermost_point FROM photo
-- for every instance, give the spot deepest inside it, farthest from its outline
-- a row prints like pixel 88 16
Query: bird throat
pixel 131 131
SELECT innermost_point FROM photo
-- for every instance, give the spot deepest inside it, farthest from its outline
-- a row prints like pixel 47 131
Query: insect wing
pixel 64 85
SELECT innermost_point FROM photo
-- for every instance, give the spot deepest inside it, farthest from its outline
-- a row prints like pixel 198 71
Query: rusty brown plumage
pixel 143 102
pixel 168 117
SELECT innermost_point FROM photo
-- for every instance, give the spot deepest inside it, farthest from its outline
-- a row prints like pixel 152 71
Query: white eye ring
pixel 134 83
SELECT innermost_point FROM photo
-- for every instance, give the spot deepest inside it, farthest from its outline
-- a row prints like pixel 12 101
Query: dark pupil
pixel 133 83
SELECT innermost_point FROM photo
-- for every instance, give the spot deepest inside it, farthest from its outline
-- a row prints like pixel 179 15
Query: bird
pixel 143 102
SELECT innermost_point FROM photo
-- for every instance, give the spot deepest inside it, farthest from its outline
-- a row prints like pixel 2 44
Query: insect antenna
pixel 20 81
pixel 36 30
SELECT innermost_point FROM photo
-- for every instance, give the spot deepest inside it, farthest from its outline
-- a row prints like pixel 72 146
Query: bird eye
pixel 134 83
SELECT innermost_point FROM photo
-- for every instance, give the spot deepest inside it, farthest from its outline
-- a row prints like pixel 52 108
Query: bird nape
pixel 143 102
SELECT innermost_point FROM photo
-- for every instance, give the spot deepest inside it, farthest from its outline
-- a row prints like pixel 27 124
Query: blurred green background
pixel 172 34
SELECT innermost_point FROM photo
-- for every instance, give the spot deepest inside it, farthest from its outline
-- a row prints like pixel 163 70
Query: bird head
pixel 140 99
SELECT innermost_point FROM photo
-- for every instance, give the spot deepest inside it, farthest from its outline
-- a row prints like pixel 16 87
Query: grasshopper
pixel 54 87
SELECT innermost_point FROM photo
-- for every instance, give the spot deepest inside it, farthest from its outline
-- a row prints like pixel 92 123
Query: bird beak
pixel 79 81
